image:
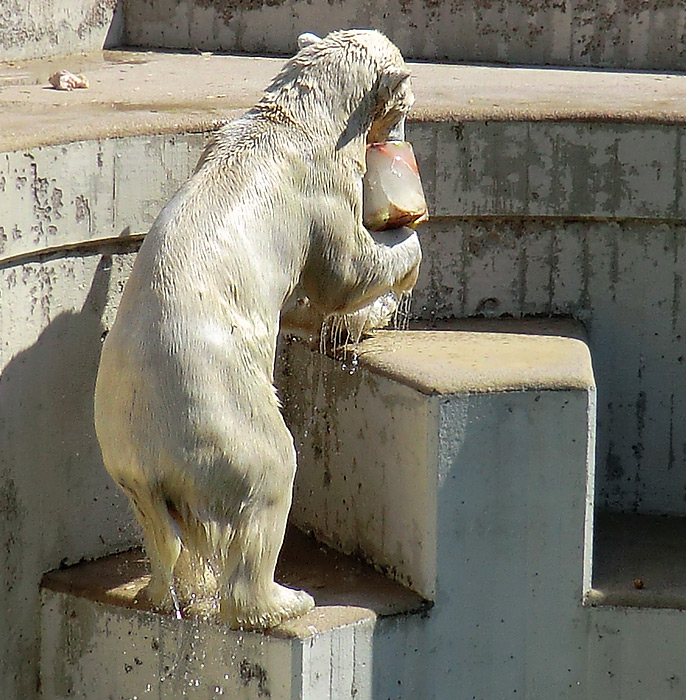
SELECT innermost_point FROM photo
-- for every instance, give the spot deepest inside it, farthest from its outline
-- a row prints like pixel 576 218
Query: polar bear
pixel 186 413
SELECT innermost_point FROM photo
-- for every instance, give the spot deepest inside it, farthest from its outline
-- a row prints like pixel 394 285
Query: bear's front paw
pixel 377 314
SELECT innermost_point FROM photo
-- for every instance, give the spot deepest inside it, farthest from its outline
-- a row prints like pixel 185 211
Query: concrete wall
pixel 340 477
pixel 49 27
pixel 623 280
pixel 543 218
pixel 612 33
pixel 57 504
pixel 585 220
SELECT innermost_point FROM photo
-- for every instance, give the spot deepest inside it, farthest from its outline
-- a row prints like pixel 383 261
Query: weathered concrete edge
pixel 424 115
pixel 130 243
pixel 106 245
pixel 322 620
pixel 297 630
pixel 573 373
pixel 597 598
pixel 128 128
pixel 174 124
pixel 468 389
pixel 519 388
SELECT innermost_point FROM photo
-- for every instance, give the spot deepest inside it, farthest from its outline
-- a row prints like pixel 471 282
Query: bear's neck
pixel 330 120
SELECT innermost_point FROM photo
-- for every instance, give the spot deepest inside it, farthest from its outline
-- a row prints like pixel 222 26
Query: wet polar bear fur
pixel 185 409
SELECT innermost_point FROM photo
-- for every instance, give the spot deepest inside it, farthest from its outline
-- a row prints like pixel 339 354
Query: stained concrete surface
pixel 45 27
pixel 478 357
pixel 620 33
pixel 346 591
pixel 134 92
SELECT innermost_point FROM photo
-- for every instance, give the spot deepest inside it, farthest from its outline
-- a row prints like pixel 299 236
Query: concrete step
pixel 639 562
pixel 637 607
pixel 460 462
pixel 99 640
pixel 498 535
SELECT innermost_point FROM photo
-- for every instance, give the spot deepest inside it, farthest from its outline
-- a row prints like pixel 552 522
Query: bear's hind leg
pixel 250 598
pixel 162 545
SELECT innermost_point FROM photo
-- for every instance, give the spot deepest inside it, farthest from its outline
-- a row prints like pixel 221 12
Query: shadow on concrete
pixel 56 500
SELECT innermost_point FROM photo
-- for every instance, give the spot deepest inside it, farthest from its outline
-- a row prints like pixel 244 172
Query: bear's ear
pixel 307 39
pixel 391 80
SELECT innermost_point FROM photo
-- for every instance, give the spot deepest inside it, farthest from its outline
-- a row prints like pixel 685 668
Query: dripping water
pixel 339 336
pixel 401 315
pixel 175 602
pixel 333 337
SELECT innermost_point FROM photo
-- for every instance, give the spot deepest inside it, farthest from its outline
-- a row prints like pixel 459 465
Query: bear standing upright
pixel 185 408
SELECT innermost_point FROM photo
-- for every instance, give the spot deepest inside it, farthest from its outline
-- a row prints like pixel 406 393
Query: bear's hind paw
pixel 283 604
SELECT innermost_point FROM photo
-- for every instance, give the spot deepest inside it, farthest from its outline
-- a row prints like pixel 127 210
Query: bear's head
pixel 351 84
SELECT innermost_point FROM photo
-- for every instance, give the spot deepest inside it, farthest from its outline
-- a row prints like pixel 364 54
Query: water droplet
pixel 175 602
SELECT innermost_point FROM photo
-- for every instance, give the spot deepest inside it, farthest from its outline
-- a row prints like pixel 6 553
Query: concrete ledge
pixel 346 591
pixel 482 356
pixel 639 562
pixel 145 92
pixel 98 640
pixel 370 439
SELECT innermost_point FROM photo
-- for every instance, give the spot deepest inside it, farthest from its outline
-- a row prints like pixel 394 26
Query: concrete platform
pixel 460 462
pixel 346 591
pixel 483 356
pixel 99 641
pixel 639 561
pixel 138 92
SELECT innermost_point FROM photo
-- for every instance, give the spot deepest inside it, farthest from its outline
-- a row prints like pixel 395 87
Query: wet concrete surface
pixel 345 590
